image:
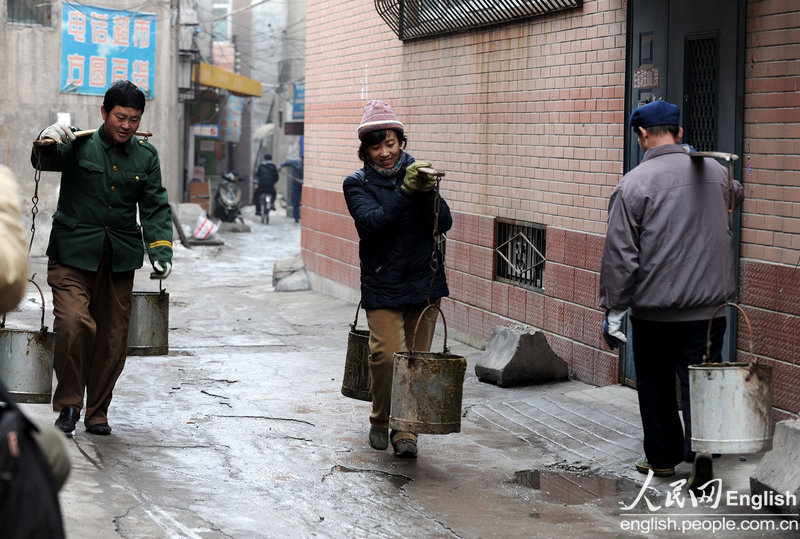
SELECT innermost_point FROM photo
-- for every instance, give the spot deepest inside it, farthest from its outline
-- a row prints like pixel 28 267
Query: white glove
pixel 615 325
pixel 163 269
pixel 59 131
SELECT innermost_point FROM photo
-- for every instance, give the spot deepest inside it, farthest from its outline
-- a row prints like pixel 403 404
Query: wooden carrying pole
pixel 85 133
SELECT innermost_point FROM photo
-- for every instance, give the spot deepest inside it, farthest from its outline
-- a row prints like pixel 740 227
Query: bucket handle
pixel 43 328
pixel 749 328
pixel 445 349
pixel 355 320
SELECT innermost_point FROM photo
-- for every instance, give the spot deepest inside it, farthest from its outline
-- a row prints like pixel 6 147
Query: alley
pixel 242 431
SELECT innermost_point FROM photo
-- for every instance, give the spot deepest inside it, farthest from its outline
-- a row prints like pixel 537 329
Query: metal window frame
pixel 42 12
pixel 510 232
pixel 417 19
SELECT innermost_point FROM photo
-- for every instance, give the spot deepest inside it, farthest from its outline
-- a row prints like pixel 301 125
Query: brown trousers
pixel 390 331
pixel 92 311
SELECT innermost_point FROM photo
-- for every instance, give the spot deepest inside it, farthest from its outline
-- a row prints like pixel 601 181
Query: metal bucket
pixel 148 332
pixel 427 389
pixel 26 361
pixel 731 405
pixel 357 378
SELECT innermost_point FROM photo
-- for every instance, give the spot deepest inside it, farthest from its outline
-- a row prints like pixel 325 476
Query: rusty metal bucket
pixel 427 389
pixel 731 404
pixel 148 332
pixel 357 378
pixel 26 361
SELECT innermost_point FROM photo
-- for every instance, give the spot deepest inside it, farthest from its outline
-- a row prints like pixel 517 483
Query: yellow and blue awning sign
pixel 100 46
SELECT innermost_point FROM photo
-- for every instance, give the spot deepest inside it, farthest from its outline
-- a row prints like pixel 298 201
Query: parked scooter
pixel 227 200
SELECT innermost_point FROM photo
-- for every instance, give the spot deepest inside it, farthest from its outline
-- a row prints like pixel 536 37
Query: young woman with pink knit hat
pixel 392 203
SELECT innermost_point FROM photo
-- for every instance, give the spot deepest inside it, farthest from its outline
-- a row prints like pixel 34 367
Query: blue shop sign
pixel 100 46
pixel 299 101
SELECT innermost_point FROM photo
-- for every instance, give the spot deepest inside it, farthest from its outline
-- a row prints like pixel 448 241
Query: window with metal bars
pixel 414 19
pixel 520 253
pixel 30 12
pixel 701 89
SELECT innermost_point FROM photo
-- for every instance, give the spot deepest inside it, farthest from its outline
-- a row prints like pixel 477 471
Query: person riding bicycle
pixel 267 176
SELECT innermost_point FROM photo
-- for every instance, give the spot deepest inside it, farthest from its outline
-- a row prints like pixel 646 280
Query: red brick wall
pixel 527 119
pixel 769 282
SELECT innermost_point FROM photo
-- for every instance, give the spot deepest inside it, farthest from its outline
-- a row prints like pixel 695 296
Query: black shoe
pixel 67 419
pixel 702 474
pixel 405 448
pixel 378 438
pixel 102 429
pixel 644 466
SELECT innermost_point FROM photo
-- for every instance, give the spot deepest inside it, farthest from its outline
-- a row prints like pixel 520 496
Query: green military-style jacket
pixel 101 186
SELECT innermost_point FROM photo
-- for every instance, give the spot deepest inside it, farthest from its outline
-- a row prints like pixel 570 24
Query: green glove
pixel 428 184
pixel 416 180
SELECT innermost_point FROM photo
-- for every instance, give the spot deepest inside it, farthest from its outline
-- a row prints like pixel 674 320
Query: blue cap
pixel 656 113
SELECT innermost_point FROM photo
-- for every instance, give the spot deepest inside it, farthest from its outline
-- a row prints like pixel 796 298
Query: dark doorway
pixel 691 54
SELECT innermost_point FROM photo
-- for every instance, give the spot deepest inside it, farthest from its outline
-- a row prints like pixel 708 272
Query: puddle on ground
pixel 578 488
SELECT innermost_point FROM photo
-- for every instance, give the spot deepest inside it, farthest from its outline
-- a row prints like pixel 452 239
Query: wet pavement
pixel 242 431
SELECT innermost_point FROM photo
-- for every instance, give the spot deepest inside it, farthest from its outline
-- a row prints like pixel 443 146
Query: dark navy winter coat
pixel 396 239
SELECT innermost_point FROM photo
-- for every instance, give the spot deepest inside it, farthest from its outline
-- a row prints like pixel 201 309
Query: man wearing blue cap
pixel 667 257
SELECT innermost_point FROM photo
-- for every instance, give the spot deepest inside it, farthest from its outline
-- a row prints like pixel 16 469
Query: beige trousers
pixel 390 331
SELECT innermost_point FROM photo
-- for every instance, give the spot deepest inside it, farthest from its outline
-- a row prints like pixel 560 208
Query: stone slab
pixel 518 356
pixel 778 472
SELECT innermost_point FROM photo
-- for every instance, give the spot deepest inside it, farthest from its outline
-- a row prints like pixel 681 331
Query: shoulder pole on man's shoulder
pixel 85 133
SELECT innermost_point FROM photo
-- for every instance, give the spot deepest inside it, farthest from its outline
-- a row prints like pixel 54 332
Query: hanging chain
pixel 34 210
pixel 434 264
pixel 37 176
pixel 731 208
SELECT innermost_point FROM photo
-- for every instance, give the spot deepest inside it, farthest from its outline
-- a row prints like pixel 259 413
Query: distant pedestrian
pixel 267 176
pixel 295 174
pixel 392 203
pixel 96 246
pixel 666 257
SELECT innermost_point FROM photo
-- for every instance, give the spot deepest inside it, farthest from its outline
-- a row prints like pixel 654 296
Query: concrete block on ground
pixel 234 227
pixel 779 469
pixel 289 275
pixel 518 356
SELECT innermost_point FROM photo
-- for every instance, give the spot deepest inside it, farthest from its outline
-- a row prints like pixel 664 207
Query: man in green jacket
pixel 96 246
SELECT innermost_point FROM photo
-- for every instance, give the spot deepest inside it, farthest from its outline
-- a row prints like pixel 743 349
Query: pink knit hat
pixel 378 115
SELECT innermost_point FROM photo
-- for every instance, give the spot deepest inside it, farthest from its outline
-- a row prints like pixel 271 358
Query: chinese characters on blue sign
pixel 299 101
pixel 100 46
pixel 230 119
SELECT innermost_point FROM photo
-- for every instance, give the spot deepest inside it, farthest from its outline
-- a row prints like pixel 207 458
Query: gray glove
pixel 60 132
pixel 612 329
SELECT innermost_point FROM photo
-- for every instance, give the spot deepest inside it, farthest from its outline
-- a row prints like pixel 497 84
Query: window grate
pixel 30 12
pixel 414 19
pixel 520 253
pixel 701 96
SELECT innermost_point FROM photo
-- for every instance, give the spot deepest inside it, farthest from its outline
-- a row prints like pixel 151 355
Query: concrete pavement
pixel 241 431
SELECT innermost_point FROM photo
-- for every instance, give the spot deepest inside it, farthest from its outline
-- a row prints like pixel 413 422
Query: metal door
pixel 689 53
